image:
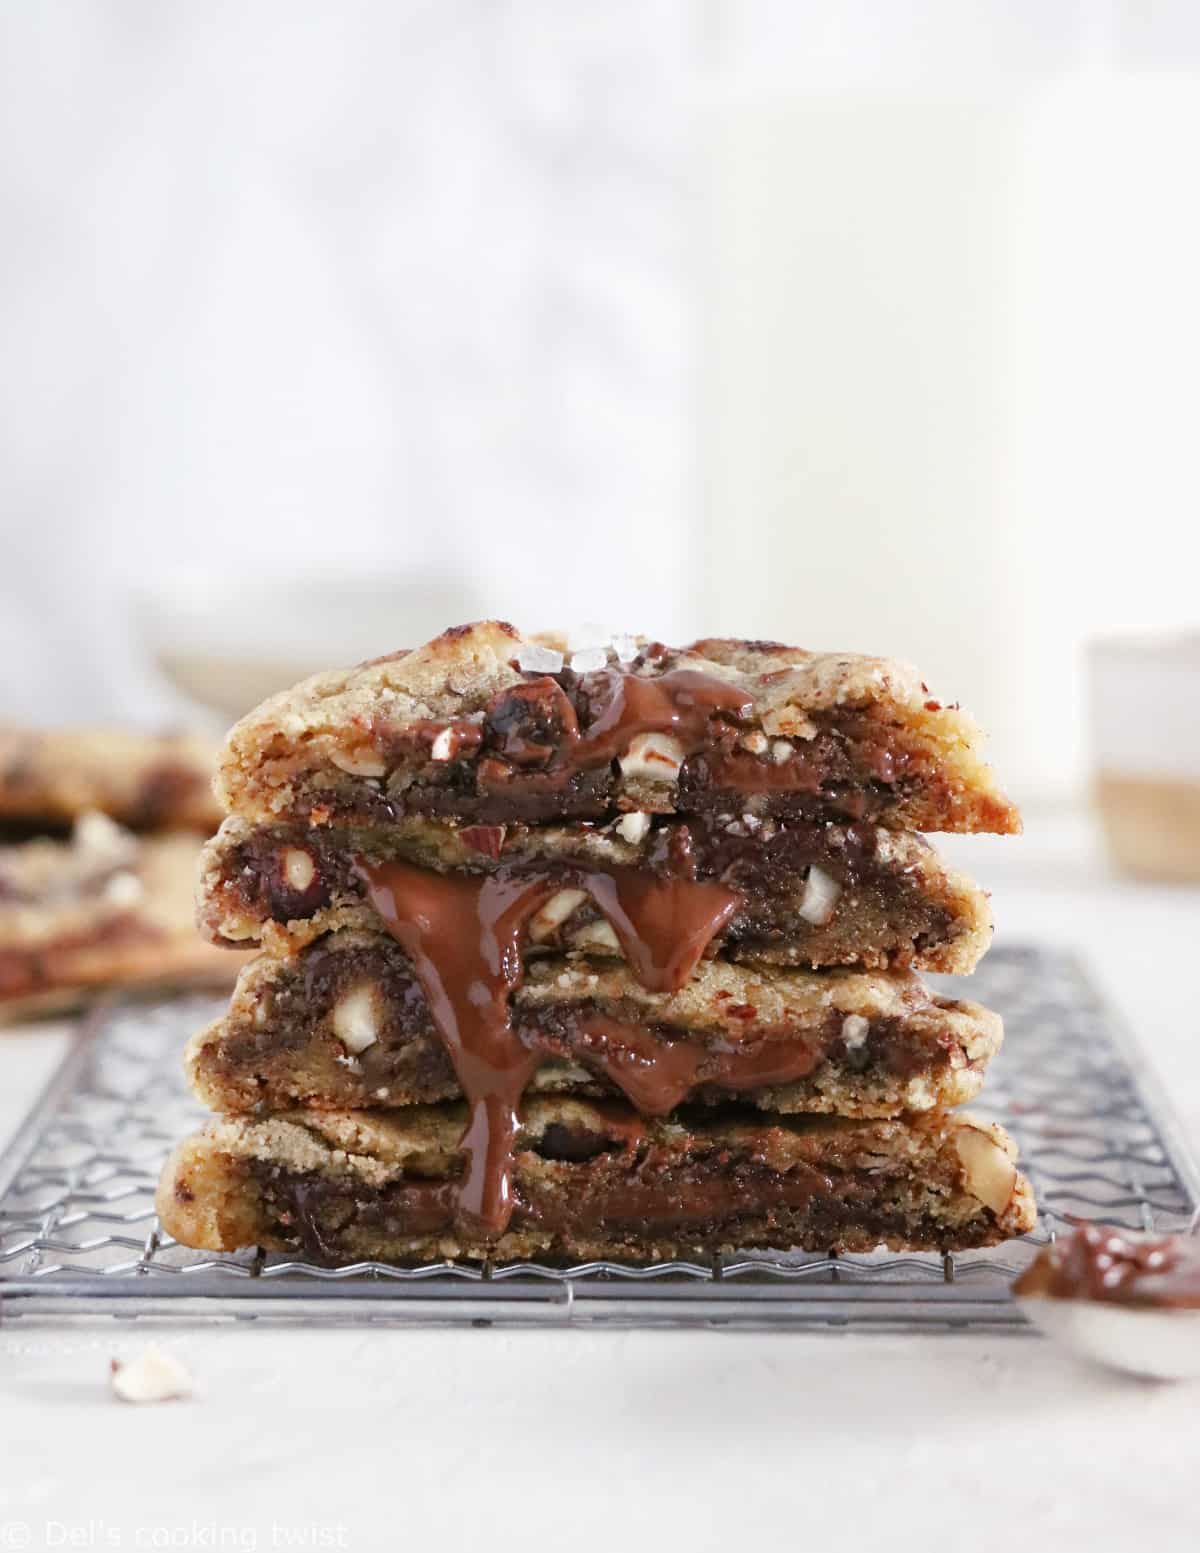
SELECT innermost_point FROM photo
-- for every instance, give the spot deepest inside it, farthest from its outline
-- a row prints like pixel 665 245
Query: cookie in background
pixel 99 836
pixel 49 777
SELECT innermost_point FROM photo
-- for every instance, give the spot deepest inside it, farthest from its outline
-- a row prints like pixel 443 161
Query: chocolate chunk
pixel 529 723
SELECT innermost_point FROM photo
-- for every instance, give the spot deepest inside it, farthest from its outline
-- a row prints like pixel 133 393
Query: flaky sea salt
pixel 533 659
pixel 589 660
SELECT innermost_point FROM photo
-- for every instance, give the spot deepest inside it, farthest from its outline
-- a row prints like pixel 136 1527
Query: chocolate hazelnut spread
pixel 463 935
pixel 1097 1263
pixel 691 1195
pixel 654 1189
pixel 656 1074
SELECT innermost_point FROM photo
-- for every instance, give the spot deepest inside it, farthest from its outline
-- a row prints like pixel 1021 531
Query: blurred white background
pixel 869 325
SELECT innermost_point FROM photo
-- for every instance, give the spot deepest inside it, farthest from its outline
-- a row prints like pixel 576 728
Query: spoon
pixel 1130 1303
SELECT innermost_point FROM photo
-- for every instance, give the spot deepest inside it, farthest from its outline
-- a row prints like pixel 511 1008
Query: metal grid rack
pixel 78 1233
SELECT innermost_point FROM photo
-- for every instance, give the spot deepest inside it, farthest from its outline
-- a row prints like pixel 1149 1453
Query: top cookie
pixel 49 777
pixel 485 726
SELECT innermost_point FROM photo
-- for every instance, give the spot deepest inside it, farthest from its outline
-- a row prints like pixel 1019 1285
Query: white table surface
pixel 494 1439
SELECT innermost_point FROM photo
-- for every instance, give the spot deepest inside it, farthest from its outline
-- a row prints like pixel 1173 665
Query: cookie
pixel 346 1025
pixel 48 778
pixel 105 908
pixel 595 1181
pixel 486 727
pixel 809 893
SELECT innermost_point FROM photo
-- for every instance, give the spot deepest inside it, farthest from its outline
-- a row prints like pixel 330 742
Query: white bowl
pixel 228 641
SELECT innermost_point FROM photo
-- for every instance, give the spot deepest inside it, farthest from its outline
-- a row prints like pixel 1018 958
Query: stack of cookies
pixel 99 832
pixel 604 954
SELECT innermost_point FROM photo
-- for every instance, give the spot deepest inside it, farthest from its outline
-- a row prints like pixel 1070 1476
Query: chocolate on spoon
pixel 1128 1302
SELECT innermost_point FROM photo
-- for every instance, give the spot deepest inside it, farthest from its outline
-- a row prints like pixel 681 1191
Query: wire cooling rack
pixel 78 1233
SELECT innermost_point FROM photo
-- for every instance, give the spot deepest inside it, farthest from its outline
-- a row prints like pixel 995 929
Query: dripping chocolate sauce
pixel 463 934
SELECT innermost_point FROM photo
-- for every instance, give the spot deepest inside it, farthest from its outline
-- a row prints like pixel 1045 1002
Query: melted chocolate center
pixel 663 1191
pixel 552 736
pixel 463 934
pixel 657 1075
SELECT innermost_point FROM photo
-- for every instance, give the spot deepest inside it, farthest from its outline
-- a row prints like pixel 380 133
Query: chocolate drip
pixel 1097 1263
pixel 656 1074
pixel 463 935
pixel 663 924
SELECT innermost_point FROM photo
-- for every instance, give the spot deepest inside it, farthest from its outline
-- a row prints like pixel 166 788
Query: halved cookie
pixel 485 726
pixel 49 777
pixel 808 893
pixel 346 1024
pixel 595 1181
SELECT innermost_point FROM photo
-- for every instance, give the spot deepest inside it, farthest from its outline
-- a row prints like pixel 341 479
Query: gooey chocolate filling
pixel 596 1190
pixel 608 1188
pixel 463 935
pixel 460 937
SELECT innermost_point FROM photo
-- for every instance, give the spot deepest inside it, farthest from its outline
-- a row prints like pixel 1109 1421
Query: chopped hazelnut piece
pixel 154 1376
pixel 596 935
pixel 654 755
pixel 554 913
pixel 356 1018
pixel 363 762
pixel 633 827
pixel 988 1171
pixel 821 892
pixel 299 870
